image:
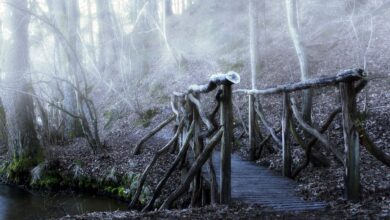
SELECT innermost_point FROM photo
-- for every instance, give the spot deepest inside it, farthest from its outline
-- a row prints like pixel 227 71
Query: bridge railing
pixel 347 83
pixel 197 133
pixel 190 118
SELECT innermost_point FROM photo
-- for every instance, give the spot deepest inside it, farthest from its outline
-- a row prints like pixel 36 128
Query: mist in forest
pixel 92 70
pixel 65 60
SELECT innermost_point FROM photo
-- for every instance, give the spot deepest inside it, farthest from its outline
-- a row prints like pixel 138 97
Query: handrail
pixel 215 80
pixel 343 76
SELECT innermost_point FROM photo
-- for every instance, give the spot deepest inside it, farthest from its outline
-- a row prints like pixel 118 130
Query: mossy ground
pixel 19 172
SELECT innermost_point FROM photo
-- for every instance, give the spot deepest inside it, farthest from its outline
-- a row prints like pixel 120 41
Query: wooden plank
pixel 351 141
pixel 226 148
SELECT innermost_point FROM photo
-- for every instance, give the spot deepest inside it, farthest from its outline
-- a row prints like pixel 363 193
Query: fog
pixel 69 59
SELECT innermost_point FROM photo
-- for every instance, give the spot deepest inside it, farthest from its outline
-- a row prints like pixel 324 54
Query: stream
pixel 16 203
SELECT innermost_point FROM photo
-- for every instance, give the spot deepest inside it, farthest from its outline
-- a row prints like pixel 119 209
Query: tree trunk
pixel 254 45
pixel 3 130
pixel 3 119
pixel 22 140
pixel 91 31
pixel 254 54
pixel 72 101
pixel 168 7
pixel 107 50
pixel 292 17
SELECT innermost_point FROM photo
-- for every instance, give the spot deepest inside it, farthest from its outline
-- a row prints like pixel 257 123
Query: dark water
pixel 19 204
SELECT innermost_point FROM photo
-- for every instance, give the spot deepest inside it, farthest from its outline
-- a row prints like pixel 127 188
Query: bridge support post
pixel 351 141
pixel 226 148
pixel 198 144
pixel 252 128
pixel 285 135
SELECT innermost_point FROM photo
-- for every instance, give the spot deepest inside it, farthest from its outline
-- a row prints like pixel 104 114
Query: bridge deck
pixel 254 184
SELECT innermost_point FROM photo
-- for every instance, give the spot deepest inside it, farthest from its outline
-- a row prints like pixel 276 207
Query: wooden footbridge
pixel 258 185
pixel 199 132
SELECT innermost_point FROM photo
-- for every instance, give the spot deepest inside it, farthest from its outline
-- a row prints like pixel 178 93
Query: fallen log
pixel 137 149
pixel 195 168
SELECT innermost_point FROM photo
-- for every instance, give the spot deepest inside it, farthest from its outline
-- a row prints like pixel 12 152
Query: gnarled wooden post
pixel 198 145
pixel 351 141
pixel 225 81
pixel 226 149
pixel 285 135
pixel 251 128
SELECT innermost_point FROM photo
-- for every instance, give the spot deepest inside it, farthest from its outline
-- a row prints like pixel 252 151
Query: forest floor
pixel 233 211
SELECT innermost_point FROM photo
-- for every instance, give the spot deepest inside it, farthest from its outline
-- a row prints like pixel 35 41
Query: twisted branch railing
pixel 198 133
pixel 350 83
pixel 194 127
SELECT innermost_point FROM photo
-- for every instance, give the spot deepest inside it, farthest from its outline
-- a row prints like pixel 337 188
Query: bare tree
pixel 3 120
pixel 18 103
pixel 65 17
pixel 293 25
pixel 72 100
